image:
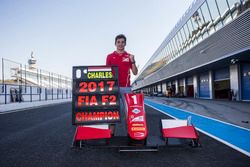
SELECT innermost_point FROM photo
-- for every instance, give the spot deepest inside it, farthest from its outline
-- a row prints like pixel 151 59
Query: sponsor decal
pixel 85 71
pixel 138 119
pixel 137 124
pixel 139 134
pixel 136 111
pixel 125 59
pixel 138 129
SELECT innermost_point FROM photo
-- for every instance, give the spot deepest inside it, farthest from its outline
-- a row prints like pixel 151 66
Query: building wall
pixel 226 42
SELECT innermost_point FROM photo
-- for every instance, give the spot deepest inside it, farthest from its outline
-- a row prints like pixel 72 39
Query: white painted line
pixel 225 142
pixel 208 134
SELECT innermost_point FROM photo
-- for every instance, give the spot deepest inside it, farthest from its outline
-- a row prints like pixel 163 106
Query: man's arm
pixel 133 67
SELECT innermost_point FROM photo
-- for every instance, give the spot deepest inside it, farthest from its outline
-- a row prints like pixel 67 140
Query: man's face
pixel 120 44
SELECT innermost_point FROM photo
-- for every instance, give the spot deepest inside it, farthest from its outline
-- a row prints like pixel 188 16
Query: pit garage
pixel 190 87
pixel 222 84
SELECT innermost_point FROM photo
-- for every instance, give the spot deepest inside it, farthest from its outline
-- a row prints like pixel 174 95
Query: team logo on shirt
pixel 125 59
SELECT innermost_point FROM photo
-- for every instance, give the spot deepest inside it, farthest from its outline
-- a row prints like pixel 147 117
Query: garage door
pixel 222 84
pixel 221 74
pixel 245 80
pixel 190 81
pixel 204 86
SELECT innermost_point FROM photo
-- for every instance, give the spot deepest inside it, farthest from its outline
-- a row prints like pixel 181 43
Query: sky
pixel 67 33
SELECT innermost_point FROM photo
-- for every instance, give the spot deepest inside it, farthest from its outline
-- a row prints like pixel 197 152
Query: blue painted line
pixel 234 135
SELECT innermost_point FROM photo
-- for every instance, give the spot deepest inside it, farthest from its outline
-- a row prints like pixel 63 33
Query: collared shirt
pixel 124 65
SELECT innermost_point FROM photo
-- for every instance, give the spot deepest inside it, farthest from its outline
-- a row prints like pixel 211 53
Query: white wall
pixel 235 80
pixel 195 82
pixel 211 86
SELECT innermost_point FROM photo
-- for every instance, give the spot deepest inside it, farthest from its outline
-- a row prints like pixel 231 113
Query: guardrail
pixel 11 93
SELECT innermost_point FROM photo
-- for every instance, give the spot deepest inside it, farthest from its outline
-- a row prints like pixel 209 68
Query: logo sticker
pixel 138 134
pixel 124 59
pixel 137 124
pixel 138 119
pixel 136 111
pixel 138 129
pixel 85 71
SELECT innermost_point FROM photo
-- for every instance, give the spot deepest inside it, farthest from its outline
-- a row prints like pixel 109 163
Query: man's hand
pixel 134 68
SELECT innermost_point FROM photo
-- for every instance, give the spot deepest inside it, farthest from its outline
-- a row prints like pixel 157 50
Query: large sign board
pixel 95 95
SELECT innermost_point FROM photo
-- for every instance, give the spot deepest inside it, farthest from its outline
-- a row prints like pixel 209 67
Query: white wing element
pixel 102 126
pixel 171 123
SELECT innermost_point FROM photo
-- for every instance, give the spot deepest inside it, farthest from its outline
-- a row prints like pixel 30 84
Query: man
pixel 125 63
pixel 123 60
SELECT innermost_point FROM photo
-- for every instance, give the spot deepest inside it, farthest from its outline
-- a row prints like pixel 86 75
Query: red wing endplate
pixel 179 129
pixel 92 132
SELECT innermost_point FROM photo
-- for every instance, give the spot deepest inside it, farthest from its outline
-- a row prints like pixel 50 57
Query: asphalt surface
pixel 43 136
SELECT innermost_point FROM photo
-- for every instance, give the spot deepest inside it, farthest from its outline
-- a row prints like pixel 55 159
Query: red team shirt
pixel 124 65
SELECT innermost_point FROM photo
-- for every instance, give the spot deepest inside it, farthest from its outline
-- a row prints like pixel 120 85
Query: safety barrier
pixel 12 93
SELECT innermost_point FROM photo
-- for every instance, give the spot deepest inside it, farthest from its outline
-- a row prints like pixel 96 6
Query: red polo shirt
pixel 124 65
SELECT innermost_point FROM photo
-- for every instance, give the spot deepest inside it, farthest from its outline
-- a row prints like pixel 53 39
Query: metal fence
pixel 16 73
pixel 11 93
pixel 25 83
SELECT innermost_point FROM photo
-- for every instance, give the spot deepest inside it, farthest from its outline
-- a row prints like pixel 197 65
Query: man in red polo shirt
pixel 123 60
pixel 125 63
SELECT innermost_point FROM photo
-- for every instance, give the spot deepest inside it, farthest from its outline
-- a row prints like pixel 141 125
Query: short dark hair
pixel 119 37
